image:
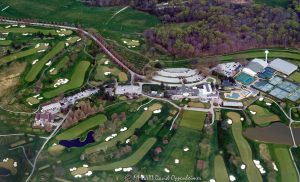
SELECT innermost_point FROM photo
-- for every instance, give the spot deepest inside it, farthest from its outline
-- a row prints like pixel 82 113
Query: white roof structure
pixel 255 66
pixel 52 108
pixel 283 66
pixel 176 75
pixel 232 104
pixel 128 89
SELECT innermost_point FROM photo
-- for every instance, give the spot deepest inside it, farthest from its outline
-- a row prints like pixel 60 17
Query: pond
pixel 77 142
pixel 4 172
pixel 277 133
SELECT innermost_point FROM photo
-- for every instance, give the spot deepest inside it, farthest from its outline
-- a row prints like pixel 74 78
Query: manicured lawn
pixel 131 160
pixel 220 169
pixel 245 151
pixel 262 116
pixel 73 40
pixel 295 77
pixel 121 136
pixel 60 65
pixel 198 104
pixel 77 12
pixel 21 54
pixel 101 69
pixel 285 164
pixel 193 119
pixel 34 30
pixel 82 127
pixel 5 42
pixel 36 68
pixel 77 79
pixel 123 77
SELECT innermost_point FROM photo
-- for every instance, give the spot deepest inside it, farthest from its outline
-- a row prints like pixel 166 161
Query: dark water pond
pixel 77 142
pixel 4 172
pixel 277 133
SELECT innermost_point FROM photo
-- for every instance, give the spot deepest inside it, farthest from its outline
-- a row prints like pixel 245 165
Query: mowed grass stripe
pixel 82 127
pixel 220 169
pixel 21 54
pixel 263 116
pixel 121 136
pixel 5 42
pixel 77 80
pixel 36 69
pixel 131 160
pixel 34 30
pixel 245 151
pixel 285 164
pixel 193 119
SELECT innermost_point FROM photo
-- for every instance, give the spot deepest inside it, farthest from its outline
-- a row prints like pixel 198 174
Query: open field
pixel 21 54
pixel 295 77
pixel 220 169
pixel 82 127
pixel 36 68
pixel 198 105
pixel 121 136
pixel 262 116
pixel 76 81
pixel 193 119
pixel 131 160
pixel 253 173
pixel 285 164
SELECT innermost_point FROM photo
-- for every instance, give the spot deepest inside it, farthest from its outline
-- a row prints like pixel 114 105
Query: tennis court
pixel 245 79
pixel 267 73
pixel 279 93
pixel 263 86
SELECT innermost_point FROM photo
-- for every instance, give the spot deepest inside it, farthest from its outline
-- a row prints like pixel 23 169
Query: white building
pixel 128 89
pixel 53 108
pixel 283 66
pixel 255 66
pixel 228 69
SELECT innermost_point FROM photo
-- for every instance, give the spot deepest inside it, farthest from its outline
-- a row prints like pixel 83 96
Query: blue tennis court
pixel 245 79
pixel 267 73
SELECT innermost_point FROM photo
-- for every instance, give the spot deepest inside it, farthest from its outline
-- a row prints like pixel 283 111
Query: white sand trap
pixel 49 63
pixel 127 141
pixel 15 164
pixel 106 62
pixel 157 111
pixel 229 121
pixel 176 161
pixel 167 170
pixel 52 69
pixel 123 129
pixel 85 165
pixel 128 169
pixel 186 149
pixel 242 119
pixel 42 50
pixel 89 173
pixel 232 178
pixel 118 169
pixel 274 166
pixel 107 73
pixel 146 108
pixel 268 104
pixel 2 38
pixel 261 99
pixel 252 112
pixel 67 44
pixel 243 166
pixel 212 180
pixel 35 61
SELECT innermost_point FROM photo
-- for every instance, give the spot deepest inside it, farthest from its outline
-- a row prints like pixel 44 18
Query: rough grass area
pixel 5 42
pixel 262 116
pixel 121 136
pixel 82 127
pixel 220 169
pixel 193 119
pixel 131 160
pixel 123 77
pixel 253 173
pixel 60 65
pixel 36 68
pixel 77 79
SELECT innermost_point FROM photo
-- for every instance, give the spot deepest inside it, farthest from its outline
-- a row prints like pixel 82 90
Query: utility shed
pixel 283 66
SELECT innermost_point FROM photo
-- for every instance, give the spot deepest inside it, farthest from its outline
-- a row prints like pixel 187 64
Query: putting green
pixel 77 79
pixel 36 68
pixel 121 136
pixel 131 160
pixel 263 116
pixel 220 169
pixel 253 173
pixel 193 119
pixel 21 54
pixel 82 127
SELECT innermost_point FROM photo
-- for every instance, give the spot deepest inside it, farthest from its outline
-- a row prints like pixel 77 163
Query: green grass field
pixel 285 164
pixel 76 12
pixel 263 116
pixel 21 54
pixel 34 30
pixel 193 119
pixel 295 77
pixel 60 65
pixel 253 173
pixel 77 79
pixel 121 136
pixel 5 42
pixel 82 127
pixel 36 69
pixel 131 160
pixel 220 169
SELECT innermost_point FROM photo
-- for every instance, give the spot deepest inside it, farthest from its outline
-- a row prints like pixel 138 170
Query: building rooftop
pixel 283 66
